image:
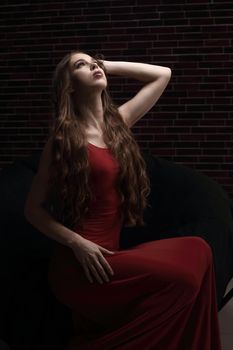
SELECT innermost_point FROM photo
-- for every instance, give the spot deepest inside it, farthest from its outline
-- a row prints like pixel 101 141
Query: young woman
pixel 91 180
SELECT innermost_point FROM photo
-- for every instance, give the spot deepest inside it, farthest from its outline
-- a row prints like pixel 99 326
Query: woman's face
pixel 84 69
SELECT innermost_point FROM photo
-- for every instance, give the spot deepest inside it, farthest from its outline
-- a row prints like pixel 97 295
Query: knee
pixel 204 250
pixel 191 277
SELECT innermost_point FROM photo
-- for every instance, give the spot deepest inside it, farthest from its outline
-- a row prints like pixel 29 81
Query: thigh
pixel 147 268
pixel 166 259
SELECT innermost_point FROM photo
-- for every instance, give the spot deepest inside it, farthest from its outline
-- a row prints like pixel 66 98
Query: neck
pixel 91 109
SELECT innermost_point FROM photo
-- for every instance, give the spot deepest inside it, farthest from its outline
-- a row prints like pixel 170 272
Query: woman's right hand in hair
pixel 90 256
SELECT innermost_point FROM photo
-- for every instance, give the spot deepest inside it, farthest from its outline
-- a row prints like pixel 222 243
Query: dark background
pixel 192 121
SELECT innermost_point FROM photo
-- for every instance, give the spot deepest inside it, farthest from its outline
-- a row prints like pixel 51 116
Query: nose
pixel 93 65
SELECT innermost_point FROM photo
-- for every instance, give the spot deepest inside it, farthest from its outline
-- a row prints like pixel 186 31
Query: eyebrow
pixel 82 59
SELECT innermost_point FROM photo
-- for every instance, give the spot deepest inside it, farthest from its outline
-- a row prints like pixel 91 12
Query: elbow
pixel 168 73
pixel 165 74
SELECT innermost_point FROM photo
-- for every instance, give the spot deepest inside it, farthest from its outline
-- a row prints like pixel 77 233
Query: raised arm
pixel 156 79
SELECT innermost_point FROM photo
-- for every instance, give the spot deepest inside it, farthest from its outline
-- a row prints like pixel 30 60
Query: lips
pixel 98 73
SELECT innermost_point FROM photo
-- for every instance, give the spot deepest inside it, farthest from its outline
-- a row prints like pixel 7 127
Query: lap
pixel 154 264
pixel 165 259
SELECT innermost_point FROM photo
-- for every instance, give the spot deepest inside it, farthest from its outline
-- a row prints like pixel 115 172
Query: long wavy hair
pixel 69 192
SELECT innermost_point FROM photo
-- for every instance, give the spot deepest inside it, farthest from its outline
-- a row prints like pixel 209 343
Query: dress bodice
pixel 103 223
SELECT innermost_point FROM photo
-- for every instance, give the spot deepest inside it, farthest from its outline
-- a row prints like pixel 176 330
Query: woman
pixel 91 180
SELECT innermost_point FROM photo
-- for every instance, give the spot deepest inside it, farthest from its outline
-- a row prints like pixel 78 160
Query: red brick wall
pixel 192 121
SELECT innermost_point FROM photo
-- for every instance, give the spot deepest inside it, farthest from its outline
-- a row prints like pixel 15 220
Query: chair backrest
pixel 18 236
pixel 180 196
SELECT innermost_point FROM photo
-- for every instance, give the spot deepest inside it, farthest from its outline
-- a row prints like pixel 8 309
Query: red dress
pixel 162 295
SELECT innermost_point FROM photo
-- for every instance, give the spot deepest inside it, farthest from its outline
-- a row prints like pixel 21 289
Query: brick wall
pixel 192 121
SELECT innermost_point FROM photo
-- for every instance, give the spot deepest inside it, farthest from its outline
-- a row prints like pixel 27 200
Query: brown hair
pixel 69 192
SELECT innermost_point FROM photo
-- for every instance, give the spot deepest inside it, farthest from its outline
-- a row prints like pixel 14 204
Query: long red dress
pixel 162 295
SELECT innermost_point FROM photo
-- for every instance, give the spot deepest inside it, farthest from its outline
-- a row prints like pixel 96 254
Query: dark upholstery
pixel 184 203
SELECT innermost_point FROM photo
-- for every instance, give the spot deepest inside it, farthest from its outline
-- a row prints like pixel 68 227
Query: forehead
pixel 80 55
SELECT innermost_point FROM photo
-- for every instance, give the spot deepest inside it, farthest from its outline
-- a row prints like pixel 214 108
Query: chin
pixel 101 85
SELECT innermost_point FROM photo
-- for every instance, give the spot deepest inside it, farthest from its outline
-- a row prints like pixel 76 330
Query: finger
pixel 106 251
pixel 95 273
pixel 105 264
pixel 102 271
pixel 88 274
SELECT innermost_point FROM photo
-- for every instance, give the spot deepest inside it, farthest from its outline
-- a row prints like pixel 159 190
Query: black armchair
pixel 184 202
